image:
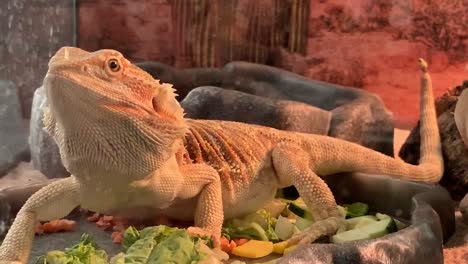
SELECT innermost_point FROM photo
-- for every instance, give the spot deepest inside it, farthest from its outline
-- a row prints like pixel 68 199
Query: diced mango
pixel 289 249
pixel 280 247
pixel 254 249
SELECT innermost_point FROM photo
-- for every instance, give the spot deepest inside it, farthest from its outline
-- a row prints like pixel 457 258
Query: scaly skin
pixel 123 138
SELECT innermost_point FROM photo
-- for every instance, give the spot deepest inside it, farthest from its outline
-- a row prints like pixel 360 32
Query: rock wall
pixel 30 33
pixel 141 30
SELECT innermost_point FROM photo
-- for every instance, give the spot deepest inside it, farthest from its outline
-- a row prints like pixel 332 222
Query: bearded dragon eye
pixel 114 65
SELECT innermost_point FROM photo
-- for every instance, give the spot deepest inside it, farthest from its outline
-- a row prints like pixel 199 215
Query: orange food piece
pixel 105 222
pixel 59 225
pixel 119 226
pixel 241 241
pixel 94 217
pixel 232 245
pixel 117 237
pixel 108 218
pixel 224 243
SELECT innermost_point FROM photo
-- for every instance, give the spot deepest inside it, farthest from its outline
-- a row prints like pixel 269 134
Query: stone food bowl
pixel 429 210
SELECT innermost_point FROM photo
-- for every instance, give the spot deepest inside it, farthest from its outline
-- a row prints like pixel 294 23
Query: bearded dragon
pixel 123 137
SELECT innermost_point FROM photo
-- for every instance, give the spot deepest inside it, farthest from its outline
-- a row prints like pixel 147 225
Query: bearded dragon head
pixel 102 96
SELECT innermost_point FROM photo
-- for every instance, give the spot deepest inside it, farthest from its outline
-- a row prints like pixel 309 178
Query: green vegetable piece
pixel 360 221
pixel 370 231
pixel 302 223
pixel 399 224
pixel 85 252
pixel 284 228
pixel 250 230
pixel 140 250
pixel 381 216
pixel 177 246
pixel 259 226
pixel 356 209
pixel 130 236
pixel 57 257
pixel 391 228
pixel 299 208
pixel 162 244
pixel 118 259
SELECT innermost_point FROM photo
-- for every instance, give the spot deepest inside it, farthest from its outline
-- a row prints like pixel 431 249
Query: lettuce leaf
pixel 259 225
pixel 161 244
pixel 85 252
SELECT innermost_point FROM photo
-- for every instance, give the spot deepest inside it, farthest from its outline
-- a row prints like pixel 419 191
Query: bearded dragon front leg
pixel 53 201
pixel 293 164
pixel 203 182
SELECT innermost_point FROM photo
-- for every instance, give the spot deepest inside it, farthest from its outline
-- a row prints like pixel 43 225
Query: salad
pixel 254 236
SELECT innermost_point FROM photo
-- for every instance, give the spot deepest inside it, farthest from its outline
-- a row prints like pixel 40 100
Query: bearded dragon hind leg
pixel 292 164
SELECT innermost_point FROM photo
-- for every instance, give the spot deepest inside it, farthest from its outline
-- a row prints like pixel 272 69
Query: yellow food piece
pixel 254 249
pixel 289 249
pixel 280 247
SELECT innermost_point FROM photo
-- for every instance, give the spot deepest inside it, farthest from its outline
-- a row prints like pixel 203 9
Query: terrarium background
pixel 370 44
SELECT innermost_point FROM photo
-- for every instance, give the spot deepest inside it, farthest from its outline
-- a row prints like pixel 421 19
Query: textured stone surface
pixel 365 121
pixel 464 208
pixel 209 102
pixel 13 134
pixel 45 154
pixel 357 116
pixel 184 80
pixel 455 152
pixel 31 32
pixel 461 115
pixel 141 30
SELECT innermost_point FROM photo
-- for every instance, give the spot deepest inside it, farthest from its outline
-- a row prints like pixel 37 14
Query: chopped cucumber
pixel 382 216
pixel 393 227
pixel 302 223
pixel 370 231
pixel 360 221
pixel 350 235
pixel 356 209
pixel 284 228
pixel 341 229
pixel 299 208
pixel 399 224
